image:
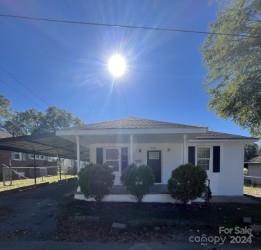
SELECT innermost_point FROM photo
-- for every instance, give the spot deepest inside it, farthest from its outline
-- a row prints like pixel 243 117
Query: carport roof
pixel 49 145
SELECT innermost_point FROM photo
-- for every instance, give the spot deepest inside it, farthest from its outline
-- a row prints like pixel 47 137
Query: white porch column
pixel 78 153
pixel 184 149
pixel 131 149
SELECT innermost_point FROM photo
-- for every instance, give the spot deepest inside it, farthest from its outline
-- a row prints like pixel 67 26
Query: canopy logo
pixel 232 235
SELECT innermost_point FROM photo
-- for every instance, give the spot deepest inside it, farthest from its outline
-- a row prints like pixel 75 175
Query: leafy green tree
pixel 34 122
pixel 233 62
pixel 188 182
pixel 251 150
pixel 4 107
pixel 23 123
pixel 138 180
pixel 54 119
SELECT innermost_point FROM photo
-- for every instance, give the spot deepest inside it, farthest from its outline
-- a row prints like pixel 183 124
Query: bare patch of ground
pixel 81 221
pixel 5 211
pixel 31 214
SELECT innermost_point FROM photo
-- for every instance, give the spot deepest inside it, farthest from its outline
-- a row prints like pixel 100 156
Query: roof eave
pixel 245 140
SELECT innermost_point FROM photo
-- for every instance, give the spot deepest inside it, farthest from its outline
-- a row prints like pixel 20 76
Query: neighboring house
pixel 254 170
pixel 18 159
pixel 69 166
pixel 163 146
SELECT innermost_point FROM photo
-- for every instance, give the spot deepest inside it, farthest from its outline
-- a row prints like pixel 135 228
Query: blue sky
pixel 64 65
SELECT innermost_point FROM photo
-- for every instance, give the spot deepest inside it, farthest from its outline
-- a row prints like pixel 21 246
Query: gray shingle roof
pixel 256 159
pixel 141 123
pixel 136 123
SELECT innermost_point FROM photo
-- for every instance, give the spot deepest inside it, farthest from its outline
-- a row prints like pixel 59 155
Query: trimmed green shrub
pixel 187 182
pixel 96 181
pixel 138 180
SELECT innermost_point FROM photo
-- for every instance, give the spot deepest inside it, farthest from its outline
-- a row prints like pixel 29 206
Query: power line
pixel 66 21
pixel 15 89
pixel 29 91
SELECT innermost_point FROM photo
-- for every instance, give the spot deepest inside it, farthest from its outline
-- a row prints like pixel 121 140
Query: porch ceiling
pixel 86 140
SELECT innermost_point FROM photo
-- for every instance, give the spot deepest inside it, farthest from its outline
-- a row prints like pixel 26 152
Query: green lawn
pixel 253 191
pixel 28 182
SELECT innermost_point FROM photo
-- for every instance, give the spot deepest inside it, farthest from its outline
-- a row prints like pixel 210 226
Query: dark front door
pixel 154 161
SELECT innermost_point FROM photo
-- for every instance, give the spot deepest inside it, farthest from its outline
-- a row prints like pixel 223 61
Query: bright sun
pixel 117 65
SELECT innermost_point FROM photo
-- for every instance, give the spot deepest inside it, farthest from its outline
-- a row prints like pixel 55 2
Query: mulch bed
pixel 14 235
pixel 81 221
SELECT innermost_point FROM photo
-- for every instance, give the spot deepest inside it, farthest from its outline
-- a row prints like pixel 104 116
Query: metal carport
pixel 49 145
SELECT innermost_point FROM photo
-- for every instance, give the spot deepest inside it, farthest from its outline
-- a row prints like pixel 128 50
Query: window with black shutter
pixel 216 159
pixel 99 155
pixel 124 158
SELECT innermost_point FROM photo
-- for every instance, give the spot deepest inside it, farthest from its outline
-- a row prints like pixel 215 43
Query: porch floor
pixel 155 189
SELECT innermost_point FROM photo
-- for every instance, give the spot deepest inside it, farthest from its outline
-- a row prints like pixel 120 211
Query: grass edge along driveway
pixel 16 184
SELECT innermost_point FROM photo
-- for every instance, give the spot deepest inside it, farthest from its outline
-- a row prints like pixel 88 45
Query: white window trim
pixel 41 157
pixel 30 156
pixel 119 159
pixel 20 156
pixel 50 159
pixel 37 157
pixel 210 166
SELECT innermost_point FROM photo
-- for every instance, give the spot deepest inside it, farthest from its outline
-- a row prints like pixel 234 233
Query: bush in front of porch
pixel 96 181
pixel 138 180
pixel 187 183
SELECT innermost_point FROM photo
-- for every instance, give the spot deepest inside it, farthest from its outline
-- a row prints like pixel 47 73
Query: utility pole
pixel 60 167
pixel 34 170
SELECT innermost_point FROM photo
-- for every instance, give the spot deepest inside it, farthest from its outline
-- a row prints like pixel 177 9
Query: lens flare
pixel 117 65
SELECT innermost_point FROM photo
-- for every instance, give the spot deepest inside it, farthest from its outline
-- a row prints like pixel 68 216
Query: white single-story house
pixel 163 146
pixel 254 170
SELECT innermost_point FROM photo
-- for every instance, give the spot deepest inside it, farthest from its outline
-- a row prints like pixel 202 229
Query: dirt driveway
pixel 31 214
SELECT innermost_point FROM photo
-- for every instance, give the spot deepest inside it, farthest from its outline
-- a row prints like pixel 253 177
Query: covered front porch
pixel 163 152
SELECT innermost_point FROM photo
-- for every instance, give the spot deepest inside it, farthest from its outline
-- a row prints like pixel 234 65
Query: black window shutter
pixel 191 155
pixel 216 159
pixel 124 158
pixel 99 155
